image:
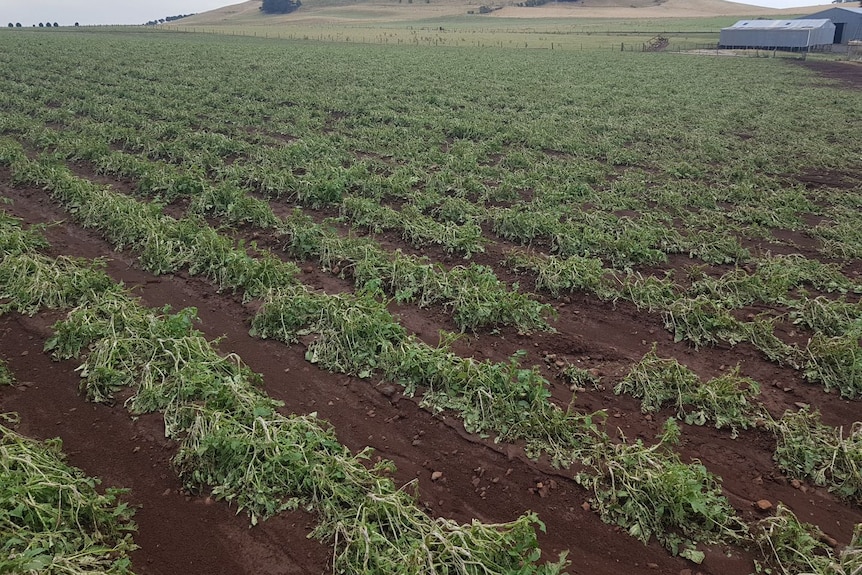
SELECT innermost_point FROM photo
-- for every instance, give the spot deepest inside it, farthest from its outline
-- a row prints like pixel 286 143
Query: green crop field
pixel 629 280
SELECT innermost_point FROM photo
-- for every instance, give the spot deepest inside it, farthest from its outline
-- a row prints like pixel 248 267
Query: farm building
pixel 848 23
pixel 802 34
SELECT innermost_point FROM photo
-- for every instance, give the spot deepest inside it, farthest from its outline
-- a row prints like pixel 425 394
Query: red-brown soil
pixel 849 73
pixel 183 534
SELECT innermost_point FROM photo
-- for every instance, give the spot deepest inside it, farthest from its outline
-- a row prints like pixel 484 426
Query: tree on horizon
pixel 280 6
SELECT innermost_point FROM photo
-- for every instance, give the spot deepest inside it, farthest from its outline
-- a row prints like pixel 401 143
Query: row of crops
pixel 600 209
pixel 246 457
pixel 698 309
pixel 232 438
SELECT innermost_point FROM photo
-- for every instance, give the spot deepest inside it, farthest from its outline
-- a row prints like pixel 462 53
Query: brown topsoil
pixel 849 73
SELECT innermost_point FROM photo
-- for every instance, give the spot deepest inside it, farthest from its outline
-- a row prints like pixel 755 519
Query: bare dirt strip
pixel 848 73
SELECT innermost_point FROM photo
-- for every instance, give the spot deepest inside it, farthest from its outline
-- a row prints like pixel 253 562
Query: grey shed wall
pixel 848 23
pixel 785 34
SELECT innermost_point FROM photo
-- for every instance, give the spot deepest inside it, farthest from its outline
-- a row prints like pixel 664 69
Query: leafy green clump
pixel 580 378
pixel 15 240
pixel 808 449
pixel 30 282
pixel 6 377
pixel 558 275
pixel 53 518
pixel 851 557
pixel 790 547
pixel 836 362
pixel 650 492
pixel 728 400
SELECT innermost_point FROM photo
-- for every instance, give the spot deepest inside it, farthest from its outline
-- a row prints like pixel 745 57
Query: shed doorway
pixel 839 32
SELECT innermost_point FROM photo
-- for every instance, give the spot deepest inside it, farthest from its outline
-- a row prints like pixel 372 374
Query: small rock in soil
pixel 764 505
pixel 829 540
pixel 795 483
pixel 586 506
pixel 388 390
pixel 436 475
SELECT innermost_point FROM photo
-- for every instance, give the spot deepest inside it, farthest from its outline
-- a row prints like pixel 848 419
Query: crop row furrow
pixel 475 296
pixel 505 399
pixel 234 440
pixel 703 313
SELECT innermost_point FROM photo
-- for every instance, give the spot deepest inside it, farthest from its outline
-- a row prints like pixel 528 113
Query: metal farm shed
pixel 848 23
pixel 802 34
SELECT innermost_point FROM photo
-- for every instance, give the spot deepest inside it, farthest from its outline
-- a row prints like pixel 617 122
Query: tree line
pixel 40 25
pixel 167 19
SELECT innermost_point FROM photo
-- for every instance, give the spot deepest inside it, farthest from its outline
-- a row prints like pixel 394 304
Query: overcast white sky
pixel 67 12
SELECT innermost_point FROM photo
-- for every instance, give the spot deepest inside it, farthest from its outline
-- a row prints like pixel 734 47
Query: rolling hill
pixel 376 10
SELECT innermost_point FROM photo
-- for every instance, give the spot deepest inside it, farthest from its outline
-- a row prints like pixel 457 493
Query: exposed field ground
pixel 619 291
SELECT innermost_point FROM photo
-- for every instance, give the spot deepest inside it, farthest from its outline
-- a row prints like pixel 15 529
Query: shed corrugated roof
pixel 779 24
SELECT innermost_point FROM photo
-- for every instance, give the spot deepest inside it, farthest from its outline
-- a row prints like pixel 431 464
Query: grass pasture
pixel 587 25
pixel 405 304
pixel 463 30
